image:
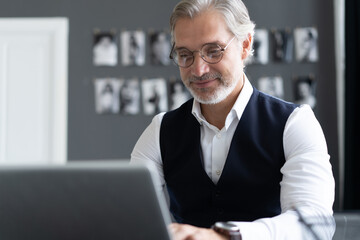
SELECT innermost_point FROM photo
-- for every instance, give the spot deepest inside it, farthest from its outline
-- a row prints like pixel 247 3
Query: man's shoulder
pixel 268 100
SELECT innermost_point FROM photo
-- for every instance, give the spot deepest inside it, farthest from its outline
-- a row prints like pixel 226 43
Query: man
pixel 233 157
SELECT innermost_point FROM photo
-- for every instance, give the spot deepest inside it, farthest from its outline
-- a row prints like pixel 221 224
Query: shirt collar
pixel 237 109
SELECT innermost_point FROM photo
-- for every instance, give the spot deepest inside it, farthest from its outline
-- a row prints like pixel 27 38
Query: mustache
pixel 206 76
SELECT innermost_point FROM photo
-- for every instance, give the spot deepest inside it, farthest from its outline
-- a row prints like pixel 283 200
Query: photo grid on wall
pixel 299 45
pixel 149 96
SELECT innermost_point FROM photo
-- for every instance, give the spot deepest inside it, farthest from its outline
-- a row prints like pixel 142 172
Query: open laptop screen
pixel 81 201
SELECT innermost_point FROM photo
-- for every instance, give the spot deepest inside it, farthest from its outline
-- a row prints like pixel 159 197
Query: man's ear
pixel 246 47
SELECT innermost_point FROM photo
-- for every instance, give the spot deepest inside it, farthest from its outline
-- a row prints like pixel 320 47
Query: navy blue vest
pixel 249 187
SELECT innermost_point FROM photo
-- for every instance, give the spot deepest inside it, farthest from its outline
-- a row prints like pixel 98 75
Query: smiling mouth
pixel 204 83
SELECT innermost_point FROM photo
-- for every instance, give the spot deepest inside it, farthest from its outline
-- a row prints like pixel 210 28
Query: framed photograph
pixel 130 97
pixel 305 90
pixel 272 85
pixel 105 50
pixel 261 47
pixel 306 44
pixel 178 93
pixel 283 45
pixel 133 48
pixel 107 95
pixel 159 48
pixel 154 94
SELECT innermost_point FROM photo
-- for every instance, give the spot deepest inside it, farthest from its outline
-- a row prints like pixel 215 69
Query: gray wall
pixel 92 136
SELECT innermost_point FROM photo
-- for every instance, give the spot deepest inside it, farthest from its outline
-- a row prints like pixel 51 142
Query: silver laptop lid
pixel 81 201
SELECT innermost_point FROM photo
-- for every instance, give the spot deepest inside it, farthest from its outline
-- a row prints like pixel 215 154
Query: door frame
pixel 57 29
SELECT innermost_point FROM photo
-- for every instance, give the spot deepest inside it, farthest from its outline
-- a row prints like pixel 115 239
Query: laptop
pixel 81 201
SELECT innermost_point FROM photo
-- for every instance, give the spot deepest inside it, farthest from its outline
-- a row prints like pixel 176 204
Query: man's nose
pixel 199 67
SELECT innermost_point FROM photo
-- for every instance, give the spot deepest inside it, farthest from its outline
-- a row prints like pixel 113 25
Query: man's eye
pixel 184 54
pixel 185 57
pixel 213 51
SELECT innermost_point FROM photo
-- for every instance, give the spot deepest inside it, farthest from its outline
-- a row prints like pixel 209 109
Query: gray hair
pixel 234 12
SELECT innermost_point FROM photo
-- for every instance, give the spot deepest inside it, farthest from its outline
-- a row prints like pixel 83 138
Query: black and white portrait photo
pixel 159 48
pixel 305 90
pixel 178 93
pixel 133 48
pixel 107 95
pixel 154 94
pixel 261 47
pixel 130 97
pixel 306 44
pixel 105 50
pixel 283 45
pixel 272 85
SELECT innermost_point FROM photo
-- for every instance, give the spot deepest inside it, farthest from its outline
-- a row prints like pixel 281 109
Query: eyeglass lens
pixel 210 53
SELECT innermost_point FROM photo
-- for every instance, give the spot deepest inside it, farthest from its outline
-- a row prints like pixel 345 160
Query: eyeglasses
pixel 211 53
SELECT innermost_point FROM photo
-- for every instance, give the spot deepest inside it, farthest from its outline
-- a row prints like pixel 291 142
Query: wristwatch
pixel 231 231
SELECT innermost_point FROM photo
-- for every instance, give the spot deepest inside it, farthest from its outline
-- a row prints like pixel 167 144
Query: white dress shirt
pixel 307 182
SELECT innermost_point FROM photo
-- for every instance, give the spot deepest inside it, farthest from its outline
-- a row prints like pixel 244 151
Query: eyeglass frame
pixel 222 50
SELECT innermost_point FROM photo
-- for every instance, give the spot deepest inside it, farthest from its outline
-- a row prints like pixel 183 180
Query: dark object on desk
pixel 80 201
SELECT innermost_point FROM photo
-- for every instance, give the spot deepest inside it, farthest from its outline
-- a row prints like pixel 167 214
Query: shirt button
pixel 218 135
pixel 218 172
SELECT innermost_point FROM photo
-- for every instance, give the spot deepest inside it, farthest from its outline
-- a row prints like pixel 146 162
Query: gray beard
pixel 220 94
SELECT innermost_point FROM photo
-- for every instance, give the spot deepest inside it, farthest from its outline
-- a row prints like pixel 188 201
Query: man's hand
pixel 188 232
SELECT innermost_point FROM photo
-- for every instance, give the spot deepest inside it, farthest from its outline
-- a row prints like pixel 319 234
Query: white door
pixel 33 90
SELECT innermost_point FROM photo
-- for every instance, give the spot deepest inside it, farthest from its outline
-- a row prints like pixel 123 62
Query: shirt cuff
pixel 282 227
